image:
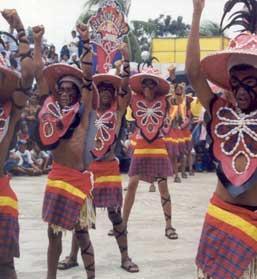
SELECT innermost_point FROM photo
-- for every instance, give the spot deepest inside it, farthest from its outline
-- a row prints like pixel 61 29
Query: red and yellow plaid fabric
pixel 156 149
pixel 9 226
pixel 66 192
pixel 107 183
pixel 106 174
pixel 229 240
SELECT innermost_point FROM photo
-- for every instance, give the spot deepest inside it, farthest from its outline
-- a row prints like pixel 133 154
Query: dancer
pixel 150 161
pixel 63 123
pixel 14 92
pixel 228 245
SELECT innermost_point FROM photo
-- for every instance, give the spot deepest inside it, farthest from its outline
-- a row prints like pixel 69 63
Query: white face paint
pixel 4 127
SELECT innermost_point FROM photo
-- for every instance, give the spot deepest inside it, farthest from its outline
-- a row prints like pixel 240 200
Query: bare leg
pixel 183 166
pixel 7 269
pixel 120 233
pixel 71 260
pixel 53 253
pixel 175 169
pixel 170 232
pixel 87 251
pixel 130 198
pixel 190 163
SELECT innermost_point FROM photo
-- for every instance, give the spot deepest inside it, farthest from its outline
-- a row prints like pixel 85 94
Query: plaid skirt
pixel 150 160
pixel 107 190
pixel 228 244
pixel 9 226
pixel 67 196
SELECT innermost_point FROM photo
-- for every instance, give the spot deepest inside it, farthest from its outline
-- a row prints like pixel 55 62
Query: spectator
pixel 74 60
pixel 73 47
pixel 41 158
pixel 52 56
pixel 25 164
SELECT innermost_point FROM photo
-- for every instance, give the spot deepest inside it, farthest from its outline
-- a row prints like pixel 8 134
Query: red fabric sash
pixel 9 197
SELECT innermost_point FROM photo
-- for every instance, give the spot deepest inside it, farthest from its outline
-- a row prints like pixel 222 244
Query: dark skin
pixel 107 93
pixel 149 88
pixel 69 152
pixel 18 98
pixel 205 95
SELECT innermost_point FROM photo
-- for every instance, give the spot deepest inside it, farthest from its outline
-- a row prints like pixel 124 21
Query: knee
pixel 55 240
pixel 115 216
pixel 133 183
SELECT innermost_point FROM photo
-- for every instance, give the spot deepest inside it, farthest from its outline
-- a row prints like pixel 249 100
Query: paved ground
pixel 157 256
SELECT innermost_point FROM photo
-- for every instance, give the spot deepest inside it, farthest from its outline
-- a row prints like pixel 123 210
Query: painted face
pixel 244 88
pixel 67 94
pixel 149 87
pixel 107 93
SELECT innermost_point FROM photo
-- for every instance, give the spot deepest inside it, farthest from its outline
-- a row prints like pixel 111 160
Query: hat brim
pixel 114 80
pixel 55 72
pixel 9 83
pixel 215 66
pixel 136 83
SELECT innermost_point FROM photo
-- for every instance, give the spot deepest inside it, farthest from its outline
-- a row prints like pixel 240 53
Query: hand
pixel 123 48
pixel 83 31
pixel 198 5
pixel 38 32
pixel 12 17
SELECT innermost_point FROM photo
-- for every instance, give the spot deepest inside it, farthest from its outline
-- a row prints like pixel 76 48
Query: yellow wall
pixel 173 50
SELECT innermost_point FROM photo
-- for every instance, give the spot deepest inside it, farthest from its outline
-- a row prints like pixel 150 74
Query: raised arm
pixel 124 94
pixel 38 32
pixel 86 66
pixel 27 69
pixel 193 68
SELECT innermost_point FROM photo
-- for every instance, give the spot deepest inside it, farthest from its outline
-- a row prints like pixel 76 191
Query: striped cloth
pixel 66 192
pixel 150 160
pixel 107 183
pixel 172 142
pixel 9 226
pixel 228 243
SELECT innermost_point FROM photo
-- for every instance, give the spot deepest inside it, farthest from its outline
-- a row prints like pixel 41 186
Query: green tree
pixel 209 28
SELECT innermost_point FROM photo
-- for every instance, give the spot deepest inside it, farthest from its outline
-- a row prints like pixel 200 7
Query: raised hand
pixel 38 32
pixel 198 5
pixel 83 31
pixel 12 17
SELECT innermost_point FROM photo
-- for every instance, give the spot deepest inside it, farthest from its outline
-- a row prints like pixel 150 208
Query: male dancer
pixel 114 97
pixel 228 245
pixel 150 159
pixel 13 97
pixel 63 123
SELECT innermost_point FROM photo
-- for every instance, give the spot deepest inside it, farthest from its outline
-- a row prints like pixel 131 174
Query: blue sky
pixel 59 16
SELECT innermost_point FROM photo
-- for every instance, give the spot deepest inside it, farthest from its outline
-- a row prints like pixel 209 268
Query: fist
pixel 83 31
pixel 12 17
pixel 38 32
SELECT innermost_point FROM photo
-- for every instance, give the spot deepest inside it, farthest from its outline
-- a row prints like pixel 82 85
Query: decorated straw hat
pixel 108 78
pixel 62 72
pixel 149 73
pixel 8 81
pixel 241 50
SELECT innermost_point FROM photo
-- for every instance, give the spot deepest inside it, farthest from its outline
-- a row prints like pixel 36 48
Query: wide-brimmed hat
pixel 241 50
pixel 8 81
pixel 149 73
pixel 108 78
pixel 62 72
